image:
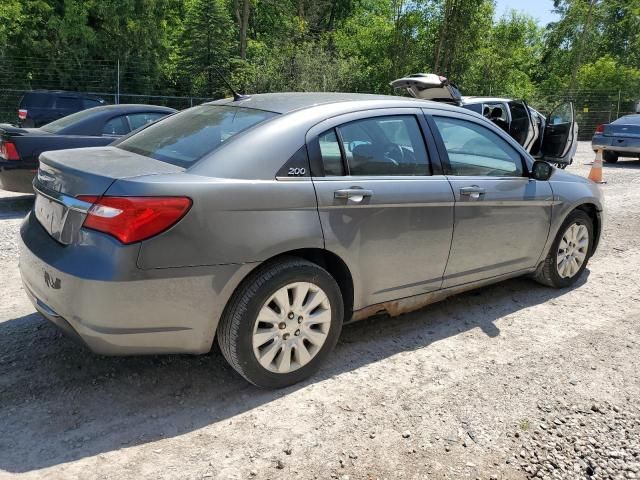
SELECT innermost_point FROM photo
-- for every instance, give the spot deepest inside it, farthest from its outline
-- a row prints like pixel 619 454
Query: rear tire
pixel 609 156
pixel 569 253
pixel 272 332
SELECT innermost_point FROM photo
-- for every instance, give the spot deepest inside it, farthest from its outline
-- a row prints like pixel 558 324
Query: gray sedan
pixel 620 138
pixel 268 221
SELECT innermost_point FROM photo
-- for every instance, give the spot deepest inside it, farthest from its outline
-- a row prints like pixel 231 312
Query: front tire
pixel 569 253
pixel 281 323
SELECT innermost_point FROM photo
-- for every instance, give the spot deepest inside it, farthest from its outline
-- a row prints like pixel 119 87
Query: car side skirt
pixel 401 306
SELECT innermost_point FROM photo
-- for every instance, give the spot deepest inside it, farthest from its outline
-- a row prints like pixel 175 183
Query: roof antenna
pixel 236 96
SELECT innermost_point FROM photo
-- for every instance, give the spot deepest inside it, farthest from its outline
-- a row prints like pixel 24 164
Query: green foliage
pixel 173 47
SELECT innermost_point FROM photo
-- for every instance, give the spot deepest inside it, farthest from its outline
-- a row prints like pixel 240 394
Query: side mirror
pixel 541 170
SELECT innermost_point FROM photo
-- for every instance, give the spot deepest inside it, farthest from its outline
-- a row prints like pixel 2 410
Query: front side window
pixel 90 103
pixel 477 151
pixel 137 120
pixel 378 146
pixel 68 103
pixel 186 137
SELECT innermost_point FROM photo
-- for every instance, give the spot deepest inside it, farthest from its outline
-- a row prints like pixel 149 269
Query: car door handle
pixel 474 192
pixel 354 194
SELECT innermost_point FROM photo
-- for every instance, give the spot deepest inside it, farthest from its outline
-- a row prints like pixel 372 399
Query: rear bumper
pixel 617 144
pixel 17 178
pixel 115 311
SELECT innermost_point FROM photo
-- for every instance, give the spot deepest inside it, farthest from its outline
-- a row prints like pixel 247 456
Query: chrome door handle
pixel 474 192
pixel 354 194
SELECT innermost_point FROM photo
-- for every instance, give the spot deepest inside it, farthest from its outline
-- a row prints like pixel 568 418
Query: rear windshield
pixel 186 137
pixel 628 120
pixel 37 100
pixel 64 122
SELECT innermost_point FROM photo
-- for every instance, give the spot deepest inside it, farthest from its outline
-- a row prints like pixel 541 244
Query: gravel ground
pixel 512 381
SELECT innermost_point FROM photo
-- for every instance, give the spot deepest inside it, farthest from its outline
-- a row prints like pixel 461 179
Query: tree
pixel 207 46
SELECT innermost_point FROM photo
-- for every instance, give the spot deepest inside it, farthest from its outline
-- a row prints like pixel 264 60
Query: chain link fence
pixel 128 82
pixel 593 107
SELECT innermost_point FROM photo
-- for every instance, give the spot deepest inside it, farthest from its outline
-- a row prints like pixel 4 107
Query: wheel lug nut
pixel 285 336
pixel 297 333
pixel 291 315
pixel 282 325
pixel 300 319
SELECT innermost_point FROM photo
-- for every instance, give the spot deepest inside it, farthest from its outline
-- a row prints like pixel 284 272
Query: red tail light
pixel 22 114
pixel 600 128
pixel 133 219
pixel 8 150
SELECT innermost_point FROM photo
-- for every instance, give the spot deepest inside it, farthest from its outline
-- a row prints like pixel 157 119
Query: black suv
pixel 40 107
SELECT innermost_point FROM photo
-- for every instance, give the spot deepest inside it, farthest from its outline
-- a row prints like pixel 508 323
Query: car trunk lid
pixel 631 130
pixel 64 175
pixel 429 86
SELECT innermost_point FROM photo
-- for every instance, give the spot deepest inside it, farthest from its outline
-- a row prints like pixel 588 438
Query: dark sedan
pixel 620 138
pixel 95 127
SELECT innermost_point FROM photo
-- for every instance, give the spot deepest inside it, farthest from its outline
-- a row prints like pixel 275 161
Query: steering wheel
pixel 393 153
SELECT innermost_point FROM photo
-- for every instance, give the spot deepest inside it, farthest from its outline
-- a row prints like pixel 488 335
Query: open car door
pixel 560 138
pixel 429 86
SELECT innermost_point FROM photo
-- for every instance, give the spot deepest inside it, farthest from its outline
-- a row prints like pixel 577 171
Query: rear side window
pixel 331 155
pixel 137 120
pixel 378 146
pixel 186 137
pixel 475 150
pixel 116 126
pixel 37 100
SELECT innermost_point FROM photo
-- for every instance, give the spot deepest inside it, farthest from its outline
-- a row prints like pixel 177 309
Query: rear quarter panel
pixel 232 221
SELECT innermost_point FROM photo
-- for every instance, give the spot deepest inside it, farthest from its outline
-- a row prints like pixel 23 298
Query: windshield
pixel 186 137
pixel 64 122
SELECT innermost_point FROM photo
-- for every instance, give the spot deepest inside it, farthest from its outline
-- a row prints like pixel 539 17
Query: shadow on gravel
pixel 60 403
pixel 623 163
pixel 15 207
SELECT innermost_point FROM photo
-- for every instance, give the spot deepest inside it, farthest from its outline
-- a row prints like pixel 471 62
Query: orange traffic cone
pixel 595 174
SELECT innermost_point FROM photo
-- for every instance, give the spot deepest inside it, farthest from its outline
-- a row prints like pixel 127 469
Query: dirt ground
pixel 512 381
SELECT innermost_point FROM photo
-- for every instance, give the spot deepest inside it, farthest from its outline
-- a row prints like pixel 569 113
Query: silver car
pixel 620 138
pixel 268 221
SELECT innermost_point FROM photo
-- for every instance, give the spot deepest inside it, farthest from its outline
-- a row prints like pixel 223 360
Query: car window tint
pixel 67 122
pixel 137 120
pixel 561 114
pixel 37 100
pixel 519 128
pixel 186 137
pixel 116 126
pixel 476 150
pixel 331 155
pixel 90 103
pixel 383 146
pixel 68 103
pixel 474 107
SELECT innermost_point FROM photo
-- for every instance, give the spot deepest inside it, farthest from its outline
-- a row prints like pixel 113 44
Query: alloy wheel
pixel 572 250
pixel 291 327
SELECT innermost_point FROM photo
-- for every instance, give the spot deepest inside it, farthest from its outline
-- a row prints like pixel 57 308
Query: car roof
pixel 472 99
pixel 294 101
